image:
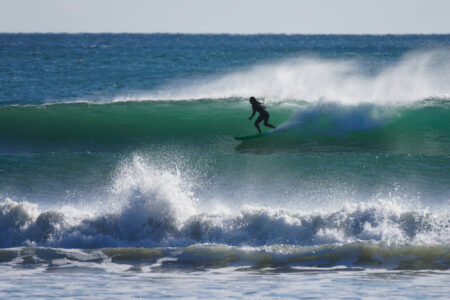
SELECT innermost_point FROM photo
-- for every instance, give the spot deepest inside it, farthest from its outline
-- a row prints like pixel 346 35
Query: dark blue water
pixel 38 68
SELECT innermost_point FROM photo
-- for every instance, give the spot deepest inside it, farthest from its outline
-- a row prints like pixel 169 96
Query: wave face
pixel 320 127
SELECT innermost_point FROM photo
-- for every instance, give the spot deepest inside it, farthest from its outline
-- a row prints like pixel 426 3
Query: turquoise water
pixel 118 165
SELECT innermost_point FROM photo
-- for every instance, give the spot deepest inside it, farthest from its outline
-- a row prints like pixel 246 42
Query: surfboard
pixel 249 137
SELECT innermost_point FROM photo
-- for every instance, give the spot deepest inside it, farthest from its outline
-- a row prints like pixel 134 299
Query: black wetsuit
pixel 263 115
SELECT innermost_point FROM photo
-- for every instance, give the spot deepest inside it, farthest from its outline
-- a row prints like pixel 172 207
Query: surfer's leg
pixel 260 118
pixel 266 121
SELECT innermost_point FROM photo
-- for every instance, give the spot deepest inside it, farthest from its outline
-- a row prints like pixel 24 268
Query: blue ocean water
pixel 120 176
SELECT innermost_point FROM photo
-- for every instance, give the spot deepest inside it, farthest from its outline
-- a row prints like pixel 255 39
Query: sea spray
pixel 158 198
pixel 416 76
pixel 152 219
pixel 333 118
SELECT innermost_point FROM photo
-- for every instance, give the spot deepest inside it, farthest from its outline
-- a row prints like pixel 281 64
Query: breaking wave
pixel 141 223
pixel 153 207
pixel 415 77
pixel 419 128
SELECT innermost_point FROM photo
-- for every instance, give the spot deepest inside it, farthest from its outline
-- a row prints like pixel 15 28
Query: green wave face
pixel 121 124
pixel 420 129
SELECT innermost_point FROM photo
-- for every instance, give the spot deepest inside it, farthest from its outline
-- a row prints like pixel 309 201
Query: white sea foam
pixel 156 207
pixel 139 224
pixel 416 76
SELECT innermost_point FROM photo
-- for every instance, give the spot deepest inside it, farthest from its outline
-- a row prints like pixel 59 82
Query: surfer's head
pixel 252 100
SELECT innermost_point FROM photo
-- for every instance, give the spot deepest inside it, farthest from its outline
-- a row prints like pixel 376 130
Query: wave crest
pixel 139 225
pixel 157 208
pixel 415 77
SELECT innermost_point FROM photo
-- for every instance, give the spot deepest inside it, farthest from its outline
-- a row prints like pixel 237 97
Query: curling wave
pixel 420 128
pixel 139 225
pixel 153 207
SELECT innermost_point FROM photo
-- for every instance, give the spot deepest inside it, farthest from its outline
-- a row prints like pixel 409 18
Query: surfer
pixel 263 114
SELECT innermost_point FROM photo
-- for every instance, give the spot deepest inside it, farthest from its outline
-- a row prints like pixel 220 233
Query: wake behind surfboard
pixel 249 137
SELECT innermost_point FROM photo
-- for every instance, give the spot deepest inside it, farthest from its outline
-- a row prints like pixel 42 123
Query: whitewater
pixel 120 177
pixel 416 76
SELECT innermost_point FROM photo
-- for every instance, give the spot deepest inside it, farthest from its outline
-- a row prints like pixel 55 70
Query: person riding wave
pixel 263 114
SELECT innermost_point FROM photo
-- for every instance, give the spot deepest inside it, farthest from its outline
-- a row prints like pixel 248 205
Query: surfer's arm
pixel 253 114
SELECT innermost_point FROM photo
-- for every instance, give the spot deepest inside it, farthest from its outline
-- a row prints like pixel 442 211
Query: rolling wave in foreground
pixel 150 207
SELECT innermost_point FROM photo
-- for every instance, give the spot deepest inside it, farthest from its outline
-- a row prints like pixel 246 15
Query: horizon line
pixel 209 33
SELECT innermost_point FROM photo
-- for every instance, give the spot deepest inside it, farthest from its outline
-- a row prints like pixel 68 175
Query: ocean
pixel 120 176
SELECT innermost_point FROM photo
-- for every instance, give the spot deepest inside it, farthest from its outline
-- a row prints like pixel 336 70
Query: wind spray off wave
pixel 414 77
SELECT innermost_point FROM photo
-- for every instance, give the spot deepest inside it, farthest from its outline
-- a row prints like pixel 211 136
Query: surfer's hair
pixel 252 99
